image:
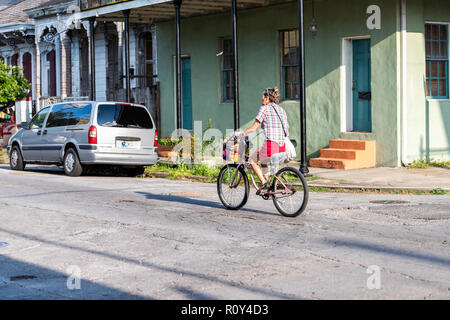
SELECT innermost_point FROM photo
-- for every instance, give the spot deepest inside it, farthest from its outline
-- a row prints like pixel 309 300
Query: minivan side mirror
pixel 25 125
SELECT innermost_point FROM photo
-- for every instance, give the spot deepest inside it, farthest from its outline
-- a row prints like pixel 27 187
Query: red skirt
pixel 269 149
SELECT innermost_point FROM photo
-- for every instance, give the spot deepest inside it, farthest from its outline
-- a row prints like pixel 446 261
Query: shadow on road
pixel 390 251
pixel 155 267
pixel 197 202
pixel 22 280
pixel 91 171
pixel 191 294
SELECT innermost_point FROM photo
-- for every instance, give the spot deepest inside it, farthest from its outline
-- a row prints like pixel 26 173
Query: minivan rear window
pixel 123 116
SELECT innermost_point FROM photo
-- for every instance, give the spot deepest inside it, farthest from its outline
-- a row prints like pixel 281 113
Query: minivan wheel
pixel 72 165
pixel 16 160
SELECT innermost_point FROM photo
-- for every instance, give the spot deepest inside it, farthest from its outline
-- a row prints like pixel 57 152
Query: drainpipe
pixel 404 120
pixel 235 65
pixel 92 57
pixel 177 4
pixel 301 61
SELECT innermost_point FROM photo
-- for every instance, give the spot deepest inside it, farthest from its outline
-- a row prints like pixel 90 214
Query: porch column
pixel 177 4
pixel 235 66
pixel 37 75
pixel 92 58
pixel 58 64
pixel 126 16
pixel 301 62
pixel 66 65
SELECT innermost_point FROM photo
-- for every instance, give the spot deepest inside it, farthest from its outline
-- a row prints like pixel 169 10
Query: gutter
pixel 404 111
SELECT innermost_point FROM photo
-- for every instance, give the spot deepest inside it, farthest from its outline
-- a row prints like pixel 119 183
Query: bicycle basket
pixel 235 151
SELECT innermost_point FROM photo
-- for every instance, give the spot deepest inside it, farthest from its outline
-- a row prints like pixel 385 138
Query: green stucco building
pixel 375 70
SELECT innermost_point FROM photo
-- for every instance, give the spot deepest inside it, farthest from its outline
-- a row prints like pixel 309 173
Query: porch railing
pixel 46 101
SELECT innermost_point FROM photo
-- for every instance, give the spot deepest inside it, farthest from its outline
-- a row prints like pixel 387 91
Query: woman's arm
pixel 253 128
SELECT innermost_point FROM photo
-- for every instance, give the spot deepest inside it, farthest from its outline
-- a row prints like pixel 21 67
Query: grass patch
pixel 378 191
pixel 438 191
pixel 182 170
pixel 428 163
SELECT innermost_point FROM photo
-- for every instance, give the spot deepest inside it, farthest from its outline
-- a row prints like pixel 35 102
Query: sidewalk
pixel 383 178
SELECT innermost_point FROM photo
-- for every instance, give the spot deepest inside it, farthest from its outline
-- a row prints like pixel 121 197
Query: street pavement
pixel 134 238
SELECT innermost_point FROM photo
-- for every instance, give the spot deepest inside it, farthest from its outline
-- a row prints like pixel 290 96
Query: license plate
pixel 127 144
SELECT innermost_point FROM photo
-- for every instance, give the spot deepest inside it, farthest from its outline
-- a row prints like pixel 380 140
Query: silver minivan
pixel 79 134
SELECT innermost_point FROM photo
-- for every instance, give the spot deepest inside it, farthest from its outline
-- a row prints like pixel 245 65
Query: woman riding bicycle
pixel 272 118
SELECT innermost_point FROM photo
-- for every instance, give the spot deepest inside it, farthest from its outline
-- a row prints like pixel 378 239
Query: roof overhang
pixel 151 11
pixel 27 28
pixel 50 9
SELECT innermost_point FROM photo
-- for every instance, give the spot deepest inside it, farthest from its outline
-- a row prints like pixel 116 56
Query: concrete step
pixel 338 153
pixel 346 154
pixel 348 144
pixel 327 163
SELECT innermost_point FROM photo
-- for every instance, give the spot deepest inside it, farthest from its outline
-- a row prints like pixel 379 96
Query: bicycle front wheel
pixel 290 192
pixel 233 187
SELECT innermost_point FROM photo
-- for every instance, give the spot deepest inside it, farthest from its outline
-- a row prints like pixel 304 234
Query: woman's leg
pixel 258 172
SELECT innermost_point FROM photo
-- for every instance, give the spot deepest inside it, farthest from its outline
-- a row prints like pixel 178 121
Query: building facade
pixel 375 70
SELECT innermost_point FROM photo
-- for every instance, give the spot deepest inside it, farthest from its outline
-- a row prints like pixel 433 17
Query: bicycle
pixel 288 188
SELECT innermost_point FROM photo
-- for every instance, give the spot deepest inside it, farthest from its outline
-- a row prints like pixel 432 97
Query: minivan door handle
pixel 39 132
pixel 45 132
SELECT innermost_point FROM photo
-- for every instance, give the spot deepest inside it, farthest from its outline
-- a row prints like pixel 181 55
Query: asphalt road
pixel 137 238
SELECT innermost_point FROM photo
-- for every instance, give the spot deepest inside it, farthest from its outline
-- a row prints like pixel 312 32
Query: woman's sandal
pixel 265 187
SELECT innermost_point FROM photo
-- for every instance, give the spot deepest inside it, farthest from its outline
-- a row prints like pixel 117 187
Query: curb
pixel 374 188
pixel 362 189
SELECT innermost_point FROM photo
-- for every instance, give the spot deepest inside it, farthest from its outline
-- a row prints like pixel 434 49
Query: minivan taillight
pixel 156 138
pixel 93 135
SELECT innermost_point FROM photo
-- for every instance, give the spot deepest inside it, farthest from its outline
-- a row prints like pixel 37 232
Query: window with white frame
pixel 436 47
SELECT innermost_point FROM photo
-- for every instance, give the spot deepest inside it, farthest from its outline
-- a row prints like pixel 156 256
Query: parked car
pixel 79 134
pixel 7 130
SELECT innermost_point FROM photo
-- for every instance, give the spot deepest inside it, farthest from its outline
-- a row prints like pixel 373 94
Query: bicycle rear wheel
pixel 233 187
pixel 291 192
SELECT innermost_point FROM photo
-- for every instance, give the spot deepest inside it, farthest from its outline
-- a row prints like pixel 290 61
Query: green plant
pixel 13 85
pixel 427 163
pixel 169 142
pixel 438 191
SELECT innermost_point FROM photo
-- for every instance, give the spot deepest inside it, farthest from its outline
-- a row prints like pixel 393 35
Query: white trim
pixel 435 22
pixel 96 12
pixel 347 82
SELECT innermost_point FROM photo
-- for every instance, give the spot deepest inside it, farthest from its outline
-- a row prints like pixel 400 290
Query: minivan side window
pixel 79 115
pixel 38 121
pixel 69 115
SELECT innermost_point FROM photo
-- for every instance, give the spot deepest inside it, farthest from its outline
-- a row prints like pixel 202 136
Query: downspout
pixel 404 120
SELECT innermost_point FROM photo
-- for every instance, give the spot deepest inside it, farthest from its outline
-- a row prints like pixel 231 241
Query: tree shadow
pixel 26 281
pixel 271 294
pixel 434 259
pixel 196 202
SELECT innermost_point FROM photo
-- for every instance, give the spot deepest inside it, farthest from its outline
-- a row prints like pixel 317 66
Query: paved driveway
pixel 149 238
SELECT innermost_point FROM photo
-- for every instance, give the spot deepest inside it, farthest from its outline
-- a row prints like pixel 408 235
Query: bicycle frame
pixel 250 170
